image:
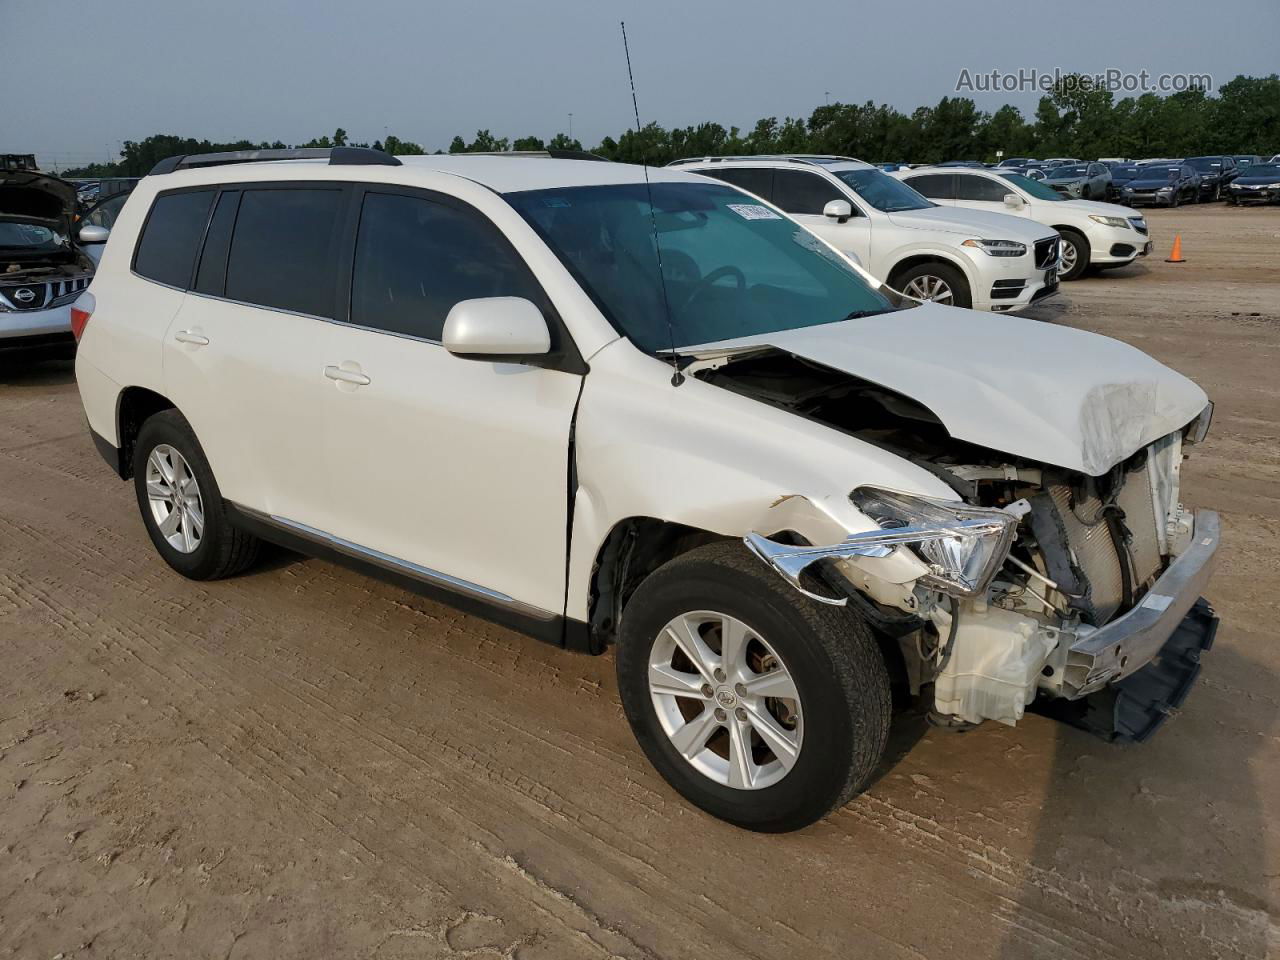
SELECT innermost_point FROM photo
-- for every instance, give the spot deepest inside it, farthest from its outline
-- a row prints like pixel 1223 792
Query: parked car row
pixel 927 250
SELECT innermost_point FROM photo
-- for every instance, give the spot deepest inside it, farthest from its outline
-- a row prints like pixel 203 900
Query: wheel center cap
pixel 726 697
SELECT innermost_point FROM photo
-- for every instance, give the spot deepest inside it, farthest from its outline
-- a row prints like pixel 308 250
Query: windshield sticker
pixel 753 211
pixel 556 202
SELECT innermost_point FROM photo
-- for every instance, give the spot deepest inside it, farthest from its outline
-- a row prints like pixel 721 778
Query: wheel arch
pixel 633 548
pixel 134 407
pixel 927 257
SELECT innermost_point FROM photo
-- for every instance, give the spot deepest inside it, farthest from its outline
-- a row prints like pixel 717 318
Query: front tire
pixel 1075 254
pixel 936 283
pixel 757 704
pixel 181 506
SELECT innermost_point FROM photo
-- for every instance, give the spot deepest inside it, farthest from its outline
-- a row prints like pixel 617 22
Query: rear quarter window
pixel 166 250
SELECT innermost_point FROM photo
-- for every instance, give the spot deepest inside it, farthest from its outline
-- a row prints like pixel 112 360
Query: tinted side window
pixel 969 187
pixel 935 186
pixel 167 250
pixel 416 258
pixel 758 180
pixel 284 252
pixel 212 272
pixel 803 193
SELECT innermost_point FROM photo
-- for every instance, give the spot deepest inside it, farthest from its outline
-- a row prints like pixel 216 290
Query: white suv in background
pixel 1094 234
pixel 985 261
pixel 605 408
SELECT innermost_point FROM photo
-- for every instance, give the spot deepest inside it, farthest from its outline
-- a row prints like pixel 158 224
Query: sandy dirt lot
pixel 304 763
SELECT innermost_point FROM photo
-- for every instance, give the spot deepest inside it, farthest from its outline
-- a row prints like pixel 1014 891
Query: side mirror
pixel 503 329
pixel 1012 200
pixel 92 233
pixel 838 210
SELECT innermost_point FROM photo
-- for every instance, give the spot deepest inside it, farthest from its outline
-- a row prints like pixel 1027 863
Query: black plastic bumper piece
pixel 110 453
pixel 1132 709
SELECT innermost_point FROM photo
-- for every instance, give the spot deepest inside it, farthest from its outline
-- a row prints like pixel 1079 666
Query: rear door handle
pixel 187 336
pixel 335 372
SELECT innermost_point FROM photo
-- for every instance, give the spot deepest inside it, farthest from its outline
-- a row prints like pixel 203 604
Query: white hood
pixel 1035 390
pixel 973 223
pixel 1093 207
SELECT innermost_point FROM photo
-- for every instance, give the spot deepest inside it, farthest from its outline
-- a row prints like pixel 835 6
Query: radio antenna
pixel 677 377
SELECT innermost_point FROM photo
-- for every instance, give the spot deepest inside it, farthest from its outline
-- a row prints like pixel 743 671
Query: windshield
pixel 1063 172
pixel 1158 173
pixel 1034 188
pixel 1264 170
pixel 1206 164
pixel 882 191
pixel 731 267
pixel 1123 172
pixel 30 237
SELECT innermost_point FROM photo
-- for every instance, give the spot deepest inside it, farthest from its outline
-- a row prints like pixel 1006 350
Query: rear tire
pixel 824 655
pixel 181 507
pixel 927 276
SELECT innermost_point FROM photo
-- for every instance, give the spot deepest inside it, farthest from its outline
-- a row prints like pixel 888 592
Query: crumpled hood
pixel 1034 390
pixel 970 223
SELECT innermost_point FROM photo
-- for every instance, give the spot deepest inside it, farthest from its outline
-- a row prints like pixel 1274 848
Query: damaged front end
pixel 1041 587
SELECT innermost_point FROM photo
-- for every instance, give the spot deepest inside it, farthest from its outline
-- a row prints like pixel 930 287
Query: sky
pixel 424 71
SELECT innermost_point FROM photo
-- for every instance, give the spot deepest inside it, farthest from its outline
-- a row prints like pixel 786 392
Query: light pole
pixel 571 126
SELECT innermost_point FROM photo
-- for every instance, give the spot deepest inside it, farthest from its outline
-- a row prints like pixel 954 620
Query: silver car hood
pixel 1035 390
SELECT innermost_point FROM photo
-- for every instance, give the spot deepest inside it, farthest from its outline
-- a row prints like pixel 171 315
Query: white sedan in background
pixel 1094 234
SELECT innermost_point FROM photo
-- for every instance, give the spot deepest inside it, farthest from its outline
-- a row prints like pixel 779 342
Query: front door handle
pixel 188 336
pixel 342 375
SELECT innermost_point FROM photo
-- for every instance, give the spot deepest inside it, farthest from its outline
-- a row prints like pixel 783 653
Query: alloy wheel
pixel 1070 255
pixel 174 497
pixel 927 287
pixel 726 700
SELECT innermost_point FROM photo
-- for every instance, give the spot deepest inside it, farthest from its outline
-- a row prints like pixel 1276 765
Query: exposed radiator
pixel 1094 551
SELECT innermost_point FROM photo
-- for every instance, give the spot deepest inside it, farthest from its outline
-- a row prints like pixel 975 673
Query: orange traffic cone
pixel 1176 256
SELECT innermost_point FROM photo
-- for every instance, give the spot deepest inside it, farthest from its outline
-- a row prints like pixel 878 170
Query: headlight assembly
pixel 1109 221
pixel 998 248
pixel 962 546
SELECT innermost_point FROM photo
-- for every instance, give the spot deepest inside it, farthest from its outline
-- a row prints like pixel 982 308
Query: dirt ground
pixel 303 763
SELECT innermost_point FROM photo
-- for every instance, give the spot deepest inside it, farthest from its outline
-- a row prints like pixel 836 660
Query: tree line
pixel 1072 120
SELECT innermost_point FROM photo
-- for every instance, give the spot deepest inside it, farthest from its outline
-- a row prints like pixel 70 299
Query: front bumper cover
pixel 1131 641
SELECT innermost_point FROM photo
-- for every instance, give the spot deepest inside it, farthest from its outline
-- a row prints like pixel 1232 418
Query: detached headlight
pixel 963 546
pixel 998 248
pixel 1109 221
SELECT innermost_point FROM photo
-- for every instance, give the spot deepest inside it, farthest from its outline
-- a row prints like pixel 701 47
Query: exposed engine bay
pixel 40 265
pixel 1083 550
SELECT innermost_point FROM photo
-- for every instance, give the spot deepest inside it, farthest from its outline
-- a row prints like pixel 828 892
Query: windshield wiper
pixel 859 314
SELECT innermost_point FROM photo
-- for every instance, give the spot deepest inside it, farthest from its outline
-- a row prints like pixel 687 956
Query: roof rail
pixel 552 154
pixel 337 156
pixel 813 158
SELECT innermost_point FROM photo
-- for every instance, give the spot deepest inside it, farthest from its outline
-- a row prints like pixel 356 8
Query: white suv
pixel 1094 234
pixel 930 252
pixel 603 409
